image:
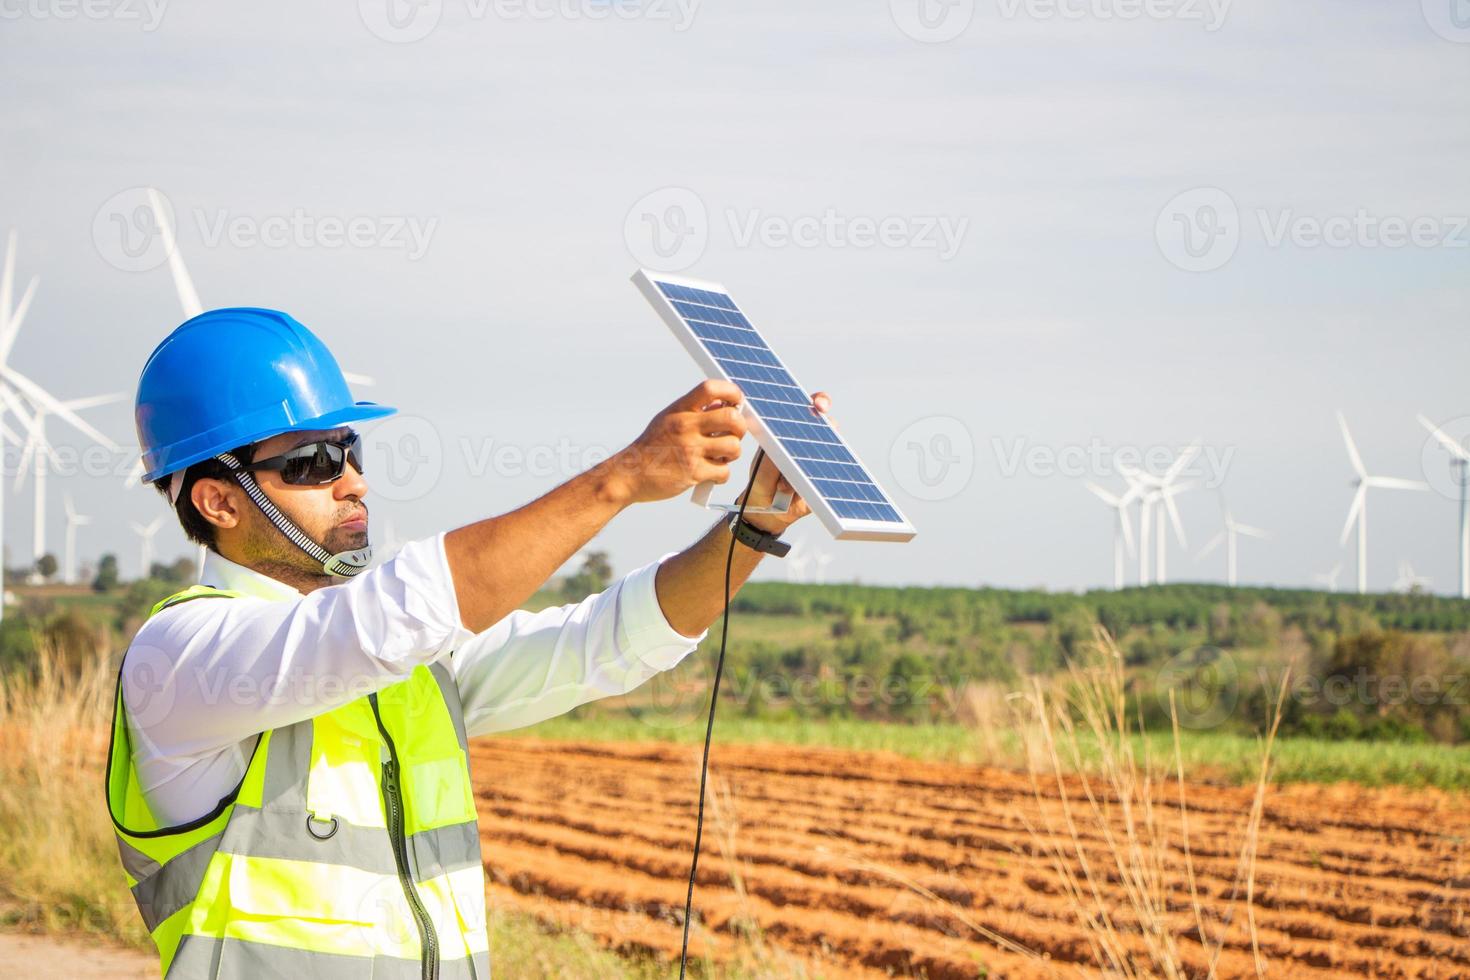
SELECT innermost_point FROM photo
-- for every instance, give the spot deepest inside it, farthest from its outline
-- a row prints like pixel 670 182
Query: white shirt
pixel 201 680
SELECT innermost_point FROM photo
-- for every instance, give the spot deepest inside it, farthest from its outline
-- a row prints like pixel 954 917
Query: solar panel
pixel 812 455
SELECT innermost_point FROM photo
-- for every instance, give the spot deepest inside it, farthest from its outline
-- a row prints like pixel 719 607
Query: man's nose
pixel 350 484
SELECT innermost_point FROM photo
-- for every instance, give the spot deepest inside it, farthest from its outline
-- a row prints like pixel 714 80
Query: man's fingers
pixel 722 449
pixel 719 421
pixel 822 402
pixel 708 472
pixel 708 391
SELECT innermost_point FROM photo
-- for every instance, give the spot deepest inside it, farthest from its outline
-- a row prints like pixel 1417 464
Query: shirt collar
pixel 221 573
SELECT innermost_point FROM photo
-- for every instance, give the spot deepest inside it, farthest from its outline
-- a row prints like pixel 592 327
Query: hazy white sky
pixel 1010 236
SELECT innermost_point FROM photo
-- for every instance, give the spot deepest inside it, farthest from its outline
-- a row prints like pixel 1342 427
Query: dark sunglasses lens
pixel 319 462
pixel 354 452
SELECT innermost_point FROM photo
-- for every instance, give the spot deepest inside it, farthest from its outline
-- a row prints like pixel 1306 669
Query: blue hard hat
pixel 231 377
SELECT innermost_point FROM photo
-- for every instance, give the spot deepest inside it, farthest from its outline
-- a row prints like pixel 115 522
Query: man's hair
pixel 196 528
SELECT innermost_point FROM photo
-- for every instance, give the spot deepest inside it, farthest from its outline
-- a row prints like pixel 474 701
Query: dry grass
pixel 1104 819
pixel 58 853
pixel 59 869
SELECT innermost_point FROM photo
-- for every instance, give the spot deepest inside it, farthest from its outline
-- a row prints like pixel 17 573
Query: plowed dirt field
pixel 872 865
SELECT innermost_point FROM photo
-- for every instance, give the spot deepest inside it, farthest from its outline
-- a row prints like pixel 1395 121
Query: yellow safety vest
pixel 349 849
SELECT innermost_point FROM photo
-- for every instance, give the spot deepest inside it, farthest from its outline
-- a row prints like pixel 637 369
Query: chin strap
pixel 344 564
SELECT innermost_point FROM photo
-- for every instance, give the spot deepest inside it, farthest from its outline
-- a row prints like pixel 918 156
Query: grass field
pixel 1207 756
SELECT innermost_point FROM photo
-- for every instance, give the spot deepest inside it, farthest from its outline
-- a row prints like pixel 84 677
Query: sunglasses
pixel 315 463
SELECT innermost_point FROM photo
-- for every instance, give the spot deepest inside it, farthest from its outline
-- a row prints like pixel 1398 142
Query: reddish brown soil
pixel 872 865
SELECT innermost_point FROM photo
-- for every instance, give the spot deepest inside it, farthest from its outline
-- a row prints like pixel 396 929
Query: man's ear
pixel 218 501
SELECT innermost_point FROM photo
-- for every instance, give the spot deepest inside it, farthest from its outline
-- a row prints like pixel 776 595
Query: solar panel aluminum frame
pixel 842 528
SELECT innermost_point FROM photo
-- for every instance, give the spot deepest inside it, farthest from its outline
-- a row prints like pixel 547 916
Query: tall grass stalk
pixel 1114 848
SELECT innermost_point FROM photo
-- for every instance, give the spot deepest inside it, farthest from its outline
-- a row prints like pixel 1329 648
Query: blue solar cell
pixel 803 449
pixel 749 355
pixel 798 412
pixel 782 405
pixel 799 430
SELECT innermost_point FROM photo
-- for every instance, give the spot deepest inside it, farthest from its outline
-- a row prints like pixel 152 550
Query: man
pixel 288 775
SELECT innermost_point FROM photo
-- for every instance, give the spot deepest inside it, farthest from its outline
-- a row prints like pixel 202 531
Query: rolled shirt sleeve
pixel 532 666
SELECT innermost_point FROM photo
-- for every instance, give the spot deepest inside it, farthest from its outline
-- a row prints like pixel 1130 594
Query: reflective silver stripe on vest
pixel 449 690
pixel 134 861
pixel 286 767
pixel 280 834
pixel 236 959
pixel 174 885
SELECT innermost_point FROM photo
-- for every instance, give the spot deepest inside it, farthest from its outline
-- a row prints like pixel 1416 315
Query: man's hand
pixel 693 440
pixel 769 482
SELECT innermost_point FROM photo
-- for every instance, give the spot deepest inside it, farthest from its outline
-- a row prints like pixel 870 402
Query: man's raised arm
pixel 498 563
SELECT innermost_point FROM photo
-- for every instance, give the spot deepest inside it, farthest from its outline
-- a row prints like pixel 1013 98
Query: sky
pixel 1017 240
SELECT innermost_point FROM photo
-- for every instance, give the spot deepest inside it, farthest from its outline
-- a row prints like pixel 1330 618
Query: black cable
pixel 710 725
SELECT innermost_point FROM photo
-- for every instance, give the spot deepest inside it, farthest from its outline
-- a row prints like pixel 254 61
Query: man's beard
pixel 271 551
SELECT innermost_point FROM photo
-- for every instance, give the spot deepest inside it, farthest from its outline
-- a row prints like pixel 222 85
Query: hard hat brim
pixel 170 459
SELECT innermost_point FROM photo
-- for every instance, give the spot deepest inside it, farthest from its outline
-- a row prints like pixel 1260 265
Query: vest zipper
pixel 393 799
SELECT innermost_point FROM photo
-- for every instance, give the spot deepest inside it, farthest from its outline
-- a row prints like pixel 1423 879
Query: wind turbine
pixel 1157 490
pixel 1358 510
pixel 1409 582
pixel 38 453
pixel 73 521
pixel 1459 462
pixel 13 385
pixel 1227 538
pixel 1329 577
pixel 146 532
pixel 1122 526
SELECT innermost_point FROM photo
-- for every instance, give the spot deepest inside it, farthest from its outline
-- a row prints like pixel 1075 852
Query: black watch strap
pixel 753 537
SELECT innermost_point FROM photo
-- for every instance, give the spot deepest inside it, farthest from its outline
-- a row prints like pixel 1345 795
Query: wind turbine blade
pixel 1127 523
pixel 14 320
pixel 1454 447
pixel 23 469
pixel 359 379
pixel 1353 511
pixel 18 407
pixel 1177 467
pixel 135 475
pixel 1106 497
pixel 188 297
pixel 94 401
pixel 1174 519
pixel 156 523
pixel 1394 483
pixel 43 399
pixel 1352 448
pixel 1214 543
pixel 1136 478
pixel 1253 532
pixel 68 506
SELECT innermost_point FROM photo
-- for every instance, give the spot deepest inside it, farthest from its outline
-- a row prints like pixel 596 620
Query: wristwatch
pixel 753 537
